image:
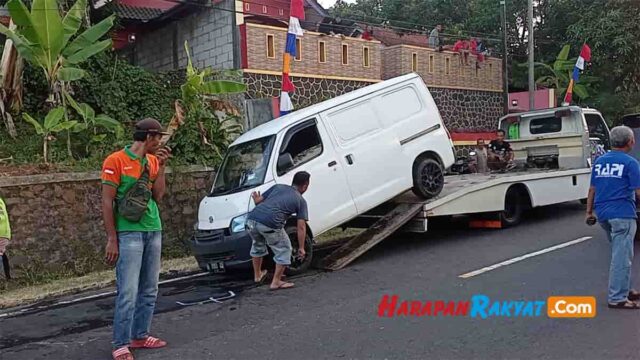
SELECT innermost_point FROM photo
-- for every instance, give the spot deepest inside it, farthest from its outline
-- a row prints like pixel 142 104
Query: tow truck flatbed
pixel 506 194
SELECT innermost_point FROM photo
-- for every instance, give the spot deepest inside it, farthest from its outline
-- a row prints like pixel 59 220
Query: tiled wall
pixel 399 59
pixel 309 63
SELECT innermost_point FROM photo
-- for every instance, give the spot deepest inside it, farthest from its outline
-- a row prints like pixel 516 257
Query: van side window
pixel 303 143
pixel 545 125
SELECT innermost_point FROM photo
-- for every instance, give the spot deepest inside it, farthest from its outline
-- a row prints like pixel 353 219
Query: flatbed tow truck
pixel 554 150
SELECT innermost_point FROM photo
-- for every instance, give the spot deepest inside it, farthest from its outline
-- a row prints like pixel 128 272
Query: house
pixel 334 56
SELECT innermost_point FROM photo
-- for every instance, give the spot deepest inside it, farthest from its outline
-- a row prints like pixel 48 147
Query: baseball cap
pixel 150 126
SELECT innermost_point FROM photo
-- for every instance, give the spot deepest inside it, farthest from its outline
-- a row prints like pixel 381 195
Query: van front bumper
pixel 219 251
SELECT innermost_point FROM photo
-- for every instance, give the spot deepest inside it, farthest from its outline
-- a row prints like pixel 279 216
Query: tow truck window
pixel 545 125
pixel 303 143
pixel 597 128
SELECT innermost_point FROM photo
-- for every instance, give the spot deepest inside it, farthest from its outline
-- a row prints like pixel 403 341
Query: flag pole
pixel 532 84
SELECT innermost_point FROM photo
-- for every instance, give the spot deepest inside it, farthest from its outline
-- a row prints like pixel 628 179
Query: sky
pixel 329 3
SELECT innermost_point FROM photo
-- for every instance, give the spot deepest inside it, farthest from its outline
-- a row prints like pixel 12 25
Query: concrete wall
pixel 210 33
pixel 57 225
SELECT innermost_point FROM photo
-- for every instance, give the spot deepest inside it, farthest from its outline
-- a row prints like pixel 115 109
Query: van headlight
pixel 238 223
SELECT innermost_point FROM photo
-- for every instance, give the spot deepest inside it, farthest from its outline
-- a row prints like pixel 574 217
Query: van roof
pixel 276 125
pixel 550 110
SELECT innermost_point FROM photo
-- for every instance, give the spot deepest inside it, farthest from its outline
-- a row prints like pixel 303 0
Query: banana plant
pixel 53 123
pixel 93 121
pixel 559 74
pixel 50 41
pixel 198 85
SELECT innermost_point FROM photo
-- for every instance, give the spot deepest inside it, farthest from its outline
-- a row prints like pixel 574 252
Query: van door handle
pixel 349 159
pixel 333 163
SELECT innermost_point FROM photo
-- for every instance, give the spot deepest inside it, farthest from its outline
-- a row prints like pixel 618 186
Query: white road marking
pixel 523 257
pixel 95 296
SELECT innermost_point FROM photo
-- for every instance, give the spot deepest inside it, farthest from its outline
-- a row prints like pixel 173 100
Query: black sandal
pixel 633 295
pixel 625 305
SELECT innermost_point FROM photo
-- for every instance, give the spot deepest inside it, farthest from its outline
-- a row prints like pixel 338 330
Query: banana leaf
pixel 73 20
pixel 70 74
pixel 22 18
pixel 67 125
pixel 36 125
pixel 53 118
pixel 89 37
pixel 48 26
pixel 223 87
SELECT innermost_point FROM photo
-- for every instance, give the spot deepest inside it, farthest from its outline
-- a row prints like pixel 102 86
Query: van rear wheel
pixel 428 178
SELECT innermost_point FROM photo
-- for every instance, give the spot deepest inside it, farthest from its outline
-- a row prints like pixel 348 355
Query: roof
pixel 136 13
pixel 390 37
pixel 281 123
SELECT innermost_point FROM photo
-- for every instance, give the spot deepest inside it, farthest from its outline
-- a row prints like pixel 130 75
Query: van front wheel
pixel 428 178
pixel 298 266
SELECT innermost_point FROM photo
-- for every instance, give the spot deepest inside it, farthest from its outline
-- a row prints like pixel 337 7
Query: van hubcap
pixel 432 177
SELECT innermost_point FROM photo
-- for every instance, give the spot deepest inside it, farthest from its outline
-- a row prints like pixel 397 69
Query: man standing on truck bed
pixel 500 153
pixel 615 184
pixel 266 227
pixel 132 183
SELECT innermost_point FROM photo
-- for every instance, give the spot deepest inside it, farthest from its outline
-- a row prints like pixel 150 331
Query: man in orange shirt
pixel 133 182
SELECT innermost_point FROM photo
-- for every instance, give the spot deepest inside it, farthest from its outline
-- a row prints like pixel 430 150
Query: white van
pixel 361 149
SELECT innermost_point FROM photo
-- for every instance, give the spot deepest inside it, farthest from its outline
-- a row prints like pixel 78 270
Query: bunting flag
pixel 585 56
pixel 290 52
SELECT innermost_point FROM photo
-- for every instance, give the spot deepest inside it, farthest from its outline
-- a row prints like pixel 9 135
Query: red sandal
pixel 149 342
pixel 122 353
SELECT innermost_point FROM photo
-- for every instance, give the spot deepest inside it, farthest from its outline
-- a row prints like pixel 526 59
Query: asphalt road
pixel 334 315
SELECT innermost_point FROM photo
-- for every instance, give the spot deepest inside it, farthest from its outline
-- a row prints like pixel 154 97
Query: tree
pixel 559 74
pixel 52 124
pixel 49 40
pixel 208 123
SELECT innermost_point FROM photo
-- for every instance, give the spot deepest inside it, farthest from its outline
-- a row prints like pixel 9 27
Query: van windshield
pixel 244 166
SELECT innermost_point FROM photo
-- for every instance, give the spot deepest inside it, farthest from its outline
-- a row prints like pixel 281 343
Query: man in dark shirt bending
pixel 500 153
pixel 266 227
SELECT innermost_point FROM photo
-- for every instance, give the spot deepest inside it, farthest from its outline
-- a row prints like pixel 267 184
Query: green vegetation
pixel 610 28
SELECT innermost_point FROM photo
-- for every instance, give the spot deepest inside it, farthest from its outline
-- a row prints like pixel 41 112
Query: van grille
pixel 209 235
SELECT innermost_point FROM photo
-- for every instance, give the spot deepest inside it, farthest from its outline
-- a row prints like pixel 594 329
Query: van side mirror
pixel 285 162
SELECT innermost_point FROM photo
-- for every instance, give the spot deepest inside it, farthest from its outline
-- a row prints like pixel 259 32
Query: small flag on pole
pixel 585 56
pixel 290 52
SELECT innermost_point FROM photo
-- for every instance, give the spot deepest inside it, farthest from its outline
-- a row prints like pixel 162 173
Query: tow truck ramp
pixel 462 194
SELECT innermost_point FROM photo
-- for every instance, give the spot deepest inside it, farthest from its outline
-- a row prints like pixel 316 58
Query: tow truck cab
pixel 560 138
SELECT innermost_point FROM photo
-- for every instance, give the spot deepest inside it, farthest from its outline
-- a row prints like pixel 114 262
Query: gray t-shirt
pixel 434 38
pixel 280 202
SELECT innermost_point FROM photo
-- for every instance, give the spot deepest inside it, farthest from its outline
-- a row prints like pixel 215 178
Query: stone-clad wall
pixel 57 225
pixel 461 110
pixel 468 110
pixel 308 90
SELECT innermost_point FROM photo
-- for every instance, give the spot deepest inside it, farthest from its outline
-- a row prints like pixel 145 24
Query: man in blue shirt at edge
pixel 615 184
pixel 266 224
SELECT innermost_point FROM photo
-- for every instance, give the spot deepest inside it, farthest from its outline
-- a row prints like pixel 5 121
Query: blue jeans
pixel 137 273
pixel 621 233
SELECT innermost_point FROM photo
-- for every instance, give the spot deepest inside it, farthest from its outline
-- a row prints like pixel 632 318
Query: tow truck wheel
pixel 514 205
pixel 299 266
pixel 428 178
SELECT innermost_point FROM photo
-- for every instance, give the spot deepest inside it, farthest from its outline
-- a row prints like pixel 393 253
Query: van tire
pixel 428 178
pixel 298 267
pixel 514 206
